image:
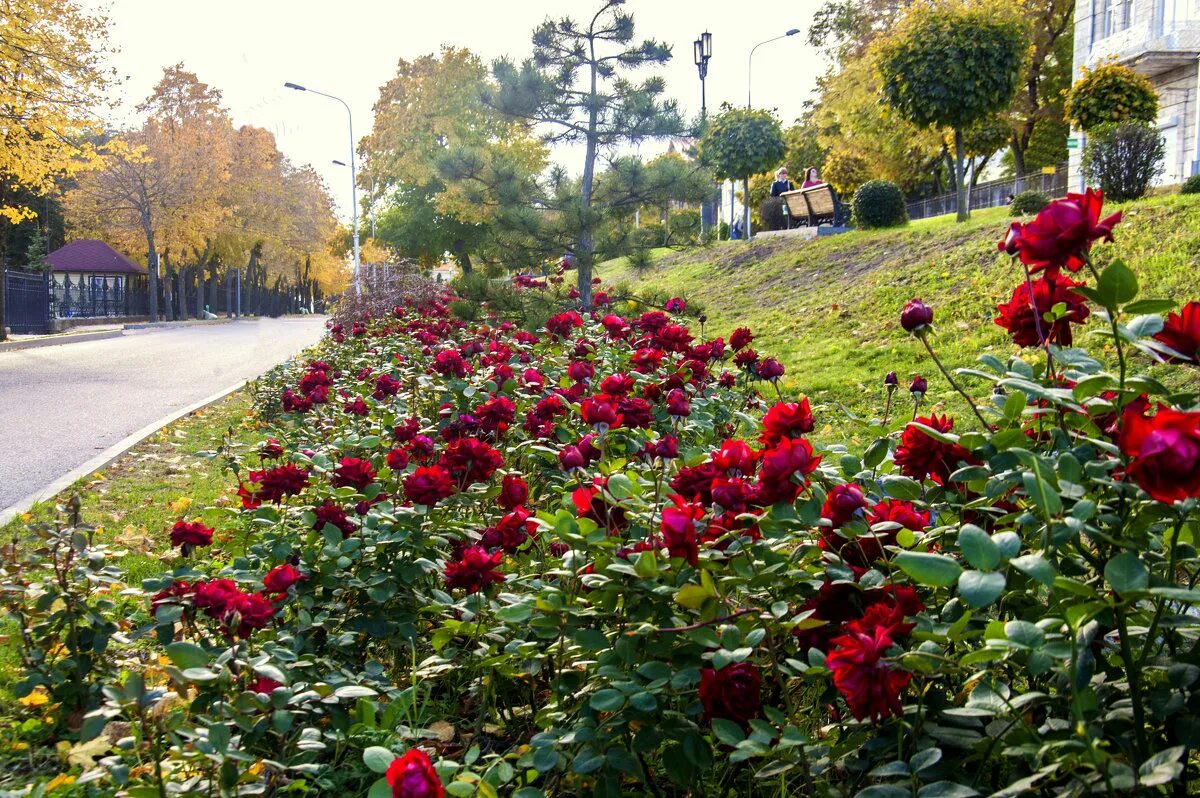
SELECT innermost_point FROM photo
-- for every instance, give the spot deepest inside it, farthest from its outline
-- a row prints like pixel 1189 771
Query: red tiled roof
pixel 89 255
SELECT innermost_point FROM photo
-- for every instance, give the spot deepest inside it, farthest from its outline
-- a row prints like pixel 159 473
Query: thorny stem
pixel 953 384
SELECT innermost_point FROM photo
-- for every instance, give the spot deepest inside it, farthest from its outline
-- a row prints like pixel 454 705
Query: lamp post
pixel 353 178
pixel 749 83
pixel 701 52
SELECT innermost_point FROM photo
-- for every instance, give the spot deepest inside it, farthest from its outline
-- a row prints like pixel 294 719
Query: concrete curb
pixel 167 325
pixel 108 456
pixel 60 339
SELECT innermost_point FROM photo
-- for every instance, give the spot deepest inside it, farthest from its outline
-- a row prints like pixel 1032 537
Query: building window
pixel 1111 17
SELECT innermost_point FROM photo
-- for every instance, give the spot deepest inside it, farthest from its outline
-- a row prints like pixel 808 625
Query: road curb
pixel 109 455
pixel 167 325
pixel 59 340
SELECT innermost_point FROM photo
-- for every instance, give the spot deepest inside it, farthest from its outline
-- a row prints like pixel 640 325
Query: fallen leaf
pixel 84 755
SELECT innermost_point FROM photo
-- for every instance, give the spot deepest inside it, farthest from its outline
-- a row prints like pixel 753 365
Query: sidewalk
pixel 98 332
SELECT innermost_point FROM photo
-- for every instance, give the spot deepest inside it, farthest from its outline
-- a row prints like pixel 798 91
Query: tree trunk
pixel 583 262
pixel 168 288
pixel 1018 153
pixel 151 265
pixel 745 208
pixel 960 188
pixel 462 256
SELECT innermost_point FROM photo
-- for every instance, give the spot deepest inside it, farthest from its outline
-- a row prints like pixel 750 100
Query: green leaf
pixel 591 639
pixel 1117 285
pixel 1126 573
pixel 1024 634
pixel 377 758
pixel 727 731
pixel 1035 566
pixel 946 789
pixel 936 570
pixel 884 791
pixel 380 789
pixel 1151 306
pixel 978 547
pixel 693 596
pixel 1042 493
pixel 980 588
pixel 354 691
pixel 901 487
pixel 607 700
pixel 187 655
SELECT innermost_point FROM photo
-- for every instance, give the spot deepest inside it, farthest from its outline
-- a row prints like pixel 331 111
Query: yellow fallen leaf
pixel 444 731
pixel 84 755
pixel 61 780
pixel 26 517
pixel 38 698
pixel 180 505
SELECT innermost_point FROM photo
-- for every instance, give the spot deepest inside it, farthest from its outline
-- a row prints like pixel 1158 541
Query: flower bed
pixel 605 558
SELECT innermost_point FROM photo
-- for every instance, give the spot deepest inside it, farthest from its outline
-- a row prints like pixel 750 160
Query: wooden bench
pixel 817 205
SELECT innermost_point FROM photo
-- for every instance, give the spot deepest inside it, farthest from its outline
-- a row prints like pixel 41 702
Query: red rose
pixel 386 385
pixel 870 685
pixel 635 413
pixel 1181 332
pixel 330 513
pixel 789 457
pixel 918 385
pixel 920 456
pixel 678 404
pixel 740 338
pixel 1022 319
pixel 474 570
pixel 675 305
pixel 353 472
pixel 843 504
pixel 916 316
pixel 357 408
pixel 1062 233
pixel 1165 452
pixel 514 492
pixel 413 776
pixel 787 420
pixel 570 457
pixel 679 529
pixel 745 358
pixel 189 534
pixel 770 369
pixel 735 458
pixel 280 578
pixel 428 485
pixel 560 326
pixel 496 413
pixel 600 410
pixel 866 549
pixel 270 449
pixel 274 484
pixel 407 430
pixel 265 685
pixel 733 692
pixel 616 384
pixel 510 532
pixel 665 448
pixel 470 460
pixel 581 370
pixel 397 459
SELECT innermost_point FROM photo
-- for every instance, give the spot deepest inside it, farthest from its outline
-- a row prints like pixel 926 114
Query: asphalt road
pixel 60 406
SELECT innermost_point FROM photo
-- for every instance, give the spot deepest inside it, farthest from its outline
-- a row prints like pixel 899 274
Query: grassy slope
pixel 830 308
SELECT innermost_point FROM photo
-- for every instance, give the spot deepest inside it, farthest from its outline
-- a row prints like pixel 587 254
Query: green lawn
pixel 829 309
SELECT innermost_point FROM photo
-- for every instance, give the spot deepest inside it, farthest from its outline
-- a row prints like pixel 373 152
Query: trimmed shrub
pixel 879 203
pixel 1111 93
pixel 1191 185
pixel 1123 159
pixel 771 213
pixel 1028 203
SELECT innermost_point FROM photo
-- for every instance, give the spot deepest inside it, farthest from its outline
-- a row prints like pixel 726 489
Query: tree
pixel 804 148
pixel 1111 93
pixel 951 67
pixel 575 88
pixel 1037 109
pixel 741 142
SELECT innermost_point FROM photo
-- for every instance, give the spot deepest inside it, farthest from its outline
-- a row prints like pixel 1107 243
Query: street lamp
pixel 701 52
pixel 746 181
pixel 370 201
pixel 353 177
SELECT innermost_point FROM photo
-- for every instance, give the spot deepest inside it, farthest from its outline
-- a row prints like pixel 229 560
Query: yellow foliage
pixel 38 698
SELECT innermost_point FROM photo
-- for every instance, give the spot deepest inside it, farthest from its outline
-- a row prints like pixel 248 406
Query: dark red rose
pixel 616 384
pixel 170 595
pixel 1181 332
pixel 789 457
pixel 510 532
pixel 265 685
pixel 413 776
pixel 386 385
pixel 428 485
pixel 273 484
pixel 560 326
pixel 787 420
pixel 735 458
pixel 353 472
pixel 469 460
pixel 449 362
pixel 733 692
pixel 1062 233
pixel 679 528
pixel 496 414
pixel 916 316
pixel 474 570
pixel 270 449
pixel 570 457
pixel 678 404
pixel 740 338
pixel 745 358
pixel 330 513
pixel 675 305
pixel 635 413
pixel 918 385
pixel 1023 321
pixel 397 459
pixel 891 379
pixel 673 338
pixel 843 504
pixel 1165 452
pixel 581 370
pixel 770 369
pixel 407 430
pixel 665 448
pixel 280 578
pixel 357 408
pixel 920 456
pixel 513 492
pixel 866 549
pixel 190 534
pixel 646 360
pixel 870 684
pixel 600 299
pixel 600 410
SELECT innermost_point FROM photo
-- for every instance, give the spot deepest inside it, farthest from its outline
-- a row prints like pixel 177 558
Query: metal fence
pixel 26 302
pixel 994 193
pixel 90 296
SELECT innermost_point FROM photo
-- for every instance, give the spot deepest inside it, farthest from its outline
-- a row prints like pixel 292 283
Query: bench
pixel 817 204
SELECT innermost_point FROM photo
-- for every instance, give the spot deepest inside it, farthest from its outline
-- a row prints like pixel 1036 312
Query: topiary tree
pixel 1111 93
pixel 740 142
pixel 846 171
pixel 879 203
pixel 1028 203
pixel 770 212
pixel 1123 159
pixel 951 68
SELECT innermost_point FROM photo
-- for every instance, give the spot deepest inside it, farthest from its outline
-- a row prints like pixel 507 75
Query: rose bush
pixel 604 557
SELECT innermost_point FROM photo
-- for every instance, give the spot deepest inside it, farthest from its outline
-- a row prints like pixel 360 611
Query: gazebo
pixel 89 278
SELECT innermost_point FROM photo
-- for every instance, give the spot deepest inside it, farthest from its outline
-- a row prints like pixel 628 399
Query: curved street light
pixel 353 177
pixel 750 67
pixel 746 181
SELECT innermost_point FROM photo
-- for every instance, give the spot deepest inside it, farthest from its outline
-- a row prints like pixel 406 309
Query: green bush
pixel 1191 185
pixel 1111 93
pixel 683 226
pixel 1028 203
pixel 771 213
pixel 1123 159
pixel 879 203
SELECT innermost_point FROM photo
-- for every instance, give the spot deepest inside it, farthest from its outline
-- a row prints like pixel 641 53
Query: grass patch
pixel 829 308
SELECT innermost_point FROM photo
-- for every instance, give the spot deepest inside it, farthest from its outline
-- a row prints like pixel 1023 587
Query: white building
pixel 1161 40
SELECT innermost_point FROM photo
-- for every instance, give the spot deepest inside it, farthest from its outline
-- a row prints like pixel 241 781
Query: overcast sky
pixel 249 48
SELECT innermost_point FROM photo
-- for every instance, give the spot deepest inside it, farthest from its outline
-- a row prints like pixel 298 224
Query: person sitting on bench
pixel 781 183
pixel 811 177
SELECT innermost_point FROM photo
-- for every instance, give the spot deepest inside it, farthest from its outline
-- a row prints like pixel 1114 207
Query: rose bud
pixel 891 380
pixel 770 369
pixel 918 385
pixel 916 316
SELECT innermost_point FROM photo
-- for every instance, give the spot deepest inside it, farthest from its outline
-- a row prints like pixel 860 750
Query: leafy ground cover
pixel 607 557
pixel 823 306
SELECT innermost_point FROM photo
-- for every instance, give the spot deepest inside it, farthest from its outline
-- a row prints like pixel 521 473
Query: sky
pixel 249 48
